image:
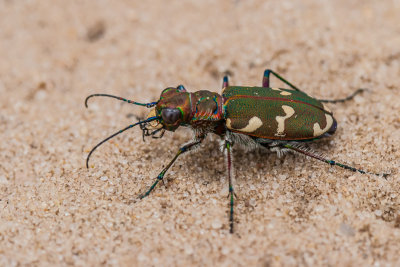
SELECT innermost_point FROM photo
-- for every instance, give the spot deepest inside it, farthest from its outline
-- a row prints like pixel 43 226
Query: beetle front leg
pixel 181 150
pixel 231 195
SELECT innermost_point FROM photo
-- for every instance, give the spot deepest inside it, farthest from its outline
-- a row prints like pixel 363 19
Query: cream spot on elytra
pixel 317 128
pixel 289 111
pixel 282 92
pixel 326 108
pixel 228 123
pixel 285 93
pixel 254 124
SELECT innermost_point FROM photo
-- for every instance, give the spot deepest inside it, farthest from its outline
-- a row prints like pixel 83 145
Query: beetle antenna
pixel 303 151
pixel 147 105
pixel 117 133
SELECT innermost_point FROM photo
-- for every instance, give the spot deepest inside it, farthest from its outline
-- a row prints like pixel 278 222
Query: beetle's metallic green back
pixel 273 113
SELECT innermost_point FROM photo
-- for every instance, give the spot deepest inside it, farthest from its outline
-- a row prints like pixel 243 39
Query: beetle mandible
pixel 274 118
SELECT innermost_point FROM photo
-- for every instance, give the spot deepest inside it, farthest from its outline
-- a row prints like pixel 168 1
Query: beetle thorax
pixel 201 109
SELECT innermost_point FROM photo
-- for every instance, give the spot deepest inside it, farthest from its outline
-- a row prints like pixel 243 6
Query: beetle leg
pixel 161 131
pixel 181 150
pixel 225 82
pixel 181 88
pixel 231 195
pixel 265 82
pixel 350 97
pixel 328 161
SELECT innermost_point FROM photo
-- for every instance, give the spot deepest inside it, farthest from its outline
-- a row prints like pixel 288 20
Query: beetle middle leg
pixel 181 150
pixel 231 195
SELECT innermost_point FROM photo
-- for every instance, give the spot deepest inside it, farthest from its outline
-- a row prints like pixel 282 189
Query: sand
pixel 290 211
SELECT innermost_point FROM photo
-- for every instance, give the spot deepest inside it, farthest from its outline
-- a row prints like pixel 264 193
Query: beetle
pixel 278 119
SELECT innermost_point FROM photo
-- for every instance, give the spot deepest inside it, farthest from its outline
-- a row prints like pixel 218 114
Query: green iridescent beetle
pixel 274 118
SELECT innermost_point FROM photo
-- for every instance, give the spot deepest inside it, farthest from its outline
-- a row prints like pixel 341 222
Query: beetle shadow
pixel 206 163
pixel 288 177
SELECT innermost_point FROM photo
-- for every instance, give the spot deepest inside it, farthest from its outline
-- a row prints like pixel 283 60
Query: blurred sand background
pixel 290 211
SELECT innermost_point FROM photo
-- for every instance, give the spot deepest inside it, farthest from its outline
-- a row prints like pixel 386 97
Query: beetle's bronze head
pixel 173 108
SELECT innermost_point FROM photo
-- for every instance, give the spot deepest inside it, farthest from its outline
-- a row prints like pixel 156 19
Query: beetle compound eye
pixel 170 115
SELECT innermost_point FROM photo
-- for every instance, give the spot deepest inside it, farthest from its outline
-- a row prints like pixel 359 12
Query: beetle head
pixel 173 109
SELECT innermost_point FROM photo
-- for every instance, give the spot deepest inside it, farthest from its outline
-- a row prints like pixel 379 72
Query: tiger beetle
pixel 274 118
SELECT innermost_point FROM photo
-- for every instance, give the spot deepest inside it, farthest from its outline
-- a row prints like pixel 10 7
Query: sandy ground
pixel 290 211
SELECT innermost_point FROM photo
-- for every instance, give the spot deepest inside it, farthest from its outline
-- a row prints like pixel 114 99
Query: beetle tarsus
pixel 342 100
pixel 150 189
pixel 330 162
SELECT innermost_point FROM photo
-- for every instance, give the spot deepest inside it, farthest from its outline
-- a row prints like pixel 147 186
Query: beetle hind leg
pixel 265 81
pixel 342 100
pixel 311 154
pixel 268 72
pixel 225 82
pixel 181 88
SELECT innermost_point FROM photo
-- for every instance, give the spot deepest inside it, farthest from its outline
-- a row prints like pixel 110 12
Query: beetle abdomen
pixel 281 114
